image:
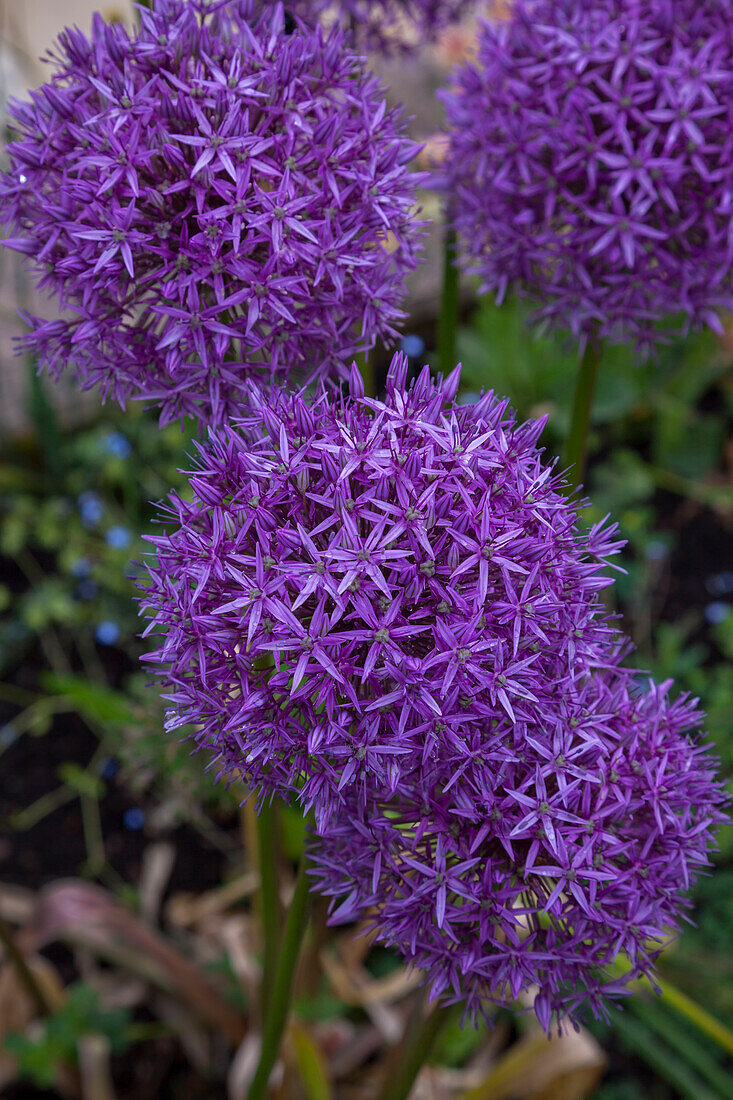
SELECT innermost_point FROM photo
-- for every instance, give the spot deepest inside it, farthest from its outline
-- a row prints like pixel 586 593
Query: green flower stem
pixel 448 318
pixel 279 999
pixel 683 1041
pixel 693 1012
pixel 577 440
pixel 367 372
pixel 414 1053
pixel 697 1015
pixel 657 1055
pixel 267 858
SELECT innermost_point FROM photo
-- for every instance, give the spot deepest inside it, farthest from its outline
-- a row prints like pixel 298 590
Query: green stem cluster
pixel 449 304
pixel 267 825
pixel 414 1053
pixel 577 439
pixel 278 1001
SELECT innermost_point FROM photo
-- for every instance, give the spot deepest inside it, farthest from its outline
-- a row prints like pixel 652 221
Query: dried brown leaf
pixel 90 917
pixel 354 984
pixel 16 903
pixel 187 910
pixel 566 1067
pixel 16 1007
pixel 158 860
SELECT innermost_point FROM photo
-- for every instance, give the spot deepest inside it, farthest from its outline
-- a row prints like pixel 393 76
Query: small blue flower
pixel 412 345
pixel 81 568
pixel 107 632
pixel 655 550
pixel 134 819
pixel 15 632
pixel 109 767
pixel 720 584
pixel 118 537
pixel 91 509
pixel 117 444
pixel 86 590
pixel 717 612
pixel 9 733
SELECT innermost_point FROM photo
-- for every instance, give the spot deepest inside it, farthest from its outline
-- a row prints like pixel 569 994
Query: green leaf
pixel 292 832
pixel 456 1041
pixel 94 701
pixel 39 1056
pixel 639 1039
pixel 81 781
pixel 685 1044
pixel 322 1006
pixel 312 1066
pixel 43 416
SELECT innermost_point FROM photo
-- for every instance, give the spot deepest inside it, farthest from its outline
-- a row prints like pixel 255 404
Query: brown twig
pixel 24 972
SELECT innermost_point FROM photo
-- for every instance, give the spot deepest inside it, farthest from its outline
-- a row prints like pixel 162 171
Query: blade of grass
pixel 312 1066
pixel 638 1039
pixel 684 1005
pixel 684 1043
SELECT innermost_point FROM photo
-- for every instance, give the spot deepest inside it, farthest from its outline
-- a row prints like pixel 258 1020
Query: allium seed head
pixel 212 200
pixel 590 164
pixel 568 847
pixel 359 589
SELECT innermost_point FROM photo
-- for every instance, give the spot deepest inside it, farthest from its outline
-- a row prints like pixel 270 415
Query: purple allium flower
pixel 213 201
pixel 590 163
pixel 360 588
pixel 570 844
pixel 385 24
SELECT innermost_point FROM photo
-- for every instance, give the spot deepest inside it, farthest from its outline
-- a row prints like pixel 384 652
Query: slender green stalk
pixel 45 421
pixel 448 318
pixel 414 1053
pixel 697 1015
pixel 693 1012
pixel 267 825
pixel 367 372
pixel 25 974
pixel 641 1041
pixel 279 999
pixel 684 1042
pixel 577 440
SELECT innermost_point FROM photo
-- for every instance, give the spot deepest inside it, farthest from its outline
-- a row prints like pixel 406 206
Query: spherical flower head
pixel 359 588
pixel 213 201
pixel 573 855
pixel 388 26
pixel 591 160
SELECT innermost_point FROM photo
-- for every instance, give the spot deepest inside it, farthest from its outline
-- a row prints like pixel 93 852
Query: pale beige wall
pixel 30 26
pixel 27 30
